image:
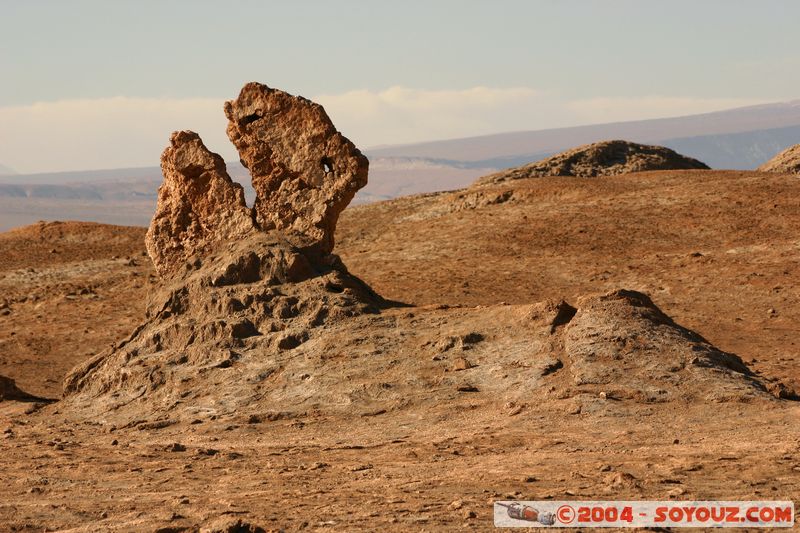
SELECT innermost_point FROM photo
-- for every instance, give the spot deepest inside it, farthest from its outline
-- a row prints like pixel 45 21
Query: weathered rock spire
pixel 304 173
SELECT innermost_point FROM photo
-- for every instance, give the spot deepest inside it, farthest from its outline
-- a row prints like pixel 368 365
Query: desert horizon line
pixel 394 117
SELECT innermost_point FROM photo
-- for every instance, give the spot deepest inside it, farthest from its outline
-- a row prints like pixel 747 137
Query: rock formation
pixel 304 171
pixel 235 277
pixel 254 315
pixel 786 162
pixel 198 204
pixel 607 158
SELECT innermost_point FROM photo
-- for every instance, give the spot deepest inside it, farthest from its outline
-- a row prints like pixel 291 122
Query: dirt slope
pixel 717 250
pixel 67 290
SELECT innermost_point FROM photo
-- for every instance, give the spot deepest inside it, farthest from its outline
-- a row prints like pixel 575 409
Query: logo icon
pixel 565 514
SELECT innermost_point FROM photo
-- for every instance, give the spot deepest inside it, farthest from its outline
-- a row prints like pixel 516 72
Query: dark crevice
pixel 249 119
pixel 552 368
pixel 565 313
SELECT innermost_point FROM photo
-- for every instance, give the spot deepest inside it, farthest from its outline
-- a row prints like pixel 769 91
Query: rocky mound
pixel 607 158
pixel 786 162
pixel 256 318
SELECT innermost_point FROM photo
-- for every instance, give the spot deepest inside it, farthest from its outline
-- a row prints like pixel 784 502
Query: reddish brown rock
pixel 786 162
pixel 304 171
pixel 198 204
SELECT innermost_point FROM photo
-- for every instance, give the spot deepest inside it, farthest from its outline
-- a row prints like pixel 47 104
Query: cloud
pixel 103 133
pixel 402 115
pixel 600 110
pixel 127 132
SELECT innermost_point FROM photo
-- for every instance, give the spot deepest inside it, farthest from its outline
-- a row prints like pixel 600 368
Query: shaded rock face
pixel 786 162
pixel 304 171
pixel 607 158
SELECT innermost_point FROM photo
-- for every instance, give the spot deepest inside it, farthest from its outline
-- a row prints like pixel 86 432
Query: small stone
pixel 603 395
pixel 462 363
pixel 207 451
pixel 176 447
pixel 114 442
pixel 457 504
pixel 469 514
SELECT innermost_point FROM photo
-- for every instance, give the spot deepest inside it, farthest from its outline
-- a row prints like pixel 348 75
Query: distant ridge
pixel 739 139
pixel 510 145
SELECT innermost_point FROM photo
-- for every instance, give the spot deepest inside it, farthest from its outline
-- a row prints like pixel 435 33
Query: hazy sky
pixel 100 84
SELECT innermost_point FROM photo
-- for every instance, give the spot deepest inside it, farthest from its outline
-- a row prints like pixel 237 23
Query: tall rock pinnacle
pixel 304 171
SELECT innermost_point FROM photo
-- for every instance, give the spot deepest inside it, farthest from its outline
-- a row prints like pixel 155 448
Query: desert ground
pixel 715 251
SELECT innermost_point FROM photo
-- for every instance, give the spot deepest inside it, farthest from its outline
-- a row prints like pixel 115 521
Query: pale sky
pixel 101 84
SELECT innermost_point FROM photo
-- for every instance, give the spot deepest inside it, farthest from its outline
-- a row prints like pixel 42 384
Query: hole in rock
pixel 327 164
pixel 334 287
pixel 249 119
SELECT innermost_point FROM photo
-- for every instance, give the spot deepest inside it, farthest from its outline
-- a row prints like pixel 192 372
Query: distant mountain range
pixel 741 138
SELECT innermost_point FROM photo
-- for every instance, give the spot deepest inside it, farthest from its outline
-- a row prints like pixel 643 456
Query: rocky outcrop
pixel 235 278
pixel 199 205
pixel 786 162
pixel 625 345
pixel 607 158
pixel 304 171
